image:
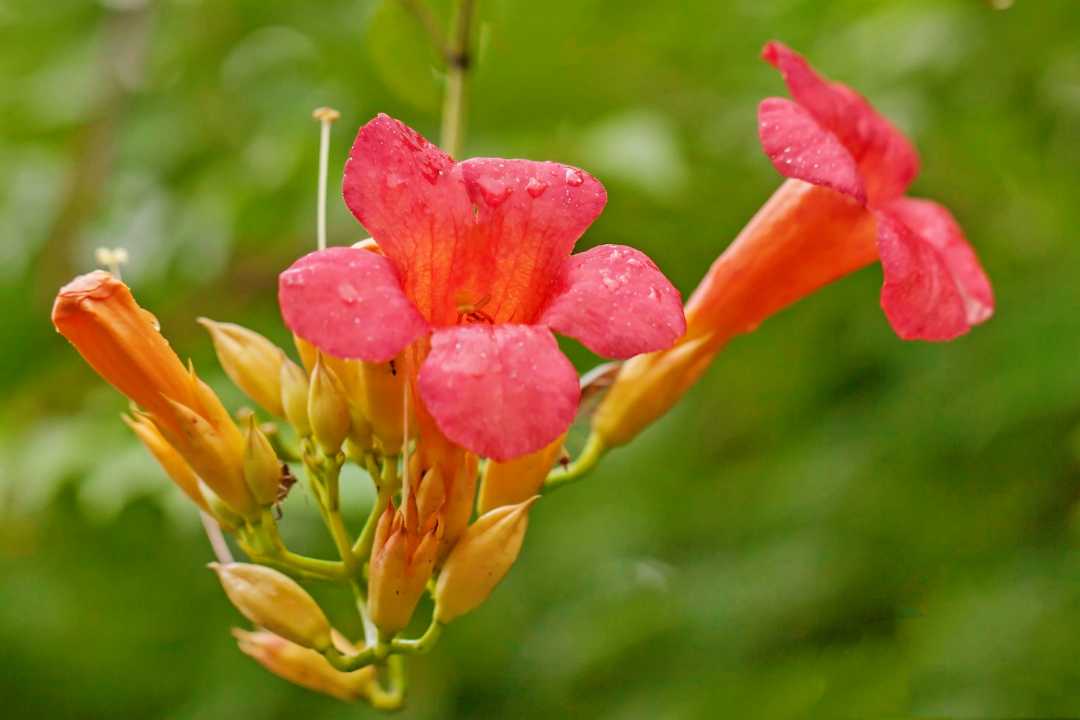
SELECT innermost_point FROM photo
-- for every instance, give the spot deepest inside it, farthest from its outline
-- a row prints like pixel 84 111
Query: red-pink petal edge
pixel 501 391
pixel 616 301
pixel 349 303
pixel 887 160
pixel 934 288
pixel 800 148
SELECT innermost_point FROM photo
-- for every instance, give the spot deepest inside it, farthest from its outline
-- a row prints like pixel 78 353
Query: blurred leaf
pixel 403 56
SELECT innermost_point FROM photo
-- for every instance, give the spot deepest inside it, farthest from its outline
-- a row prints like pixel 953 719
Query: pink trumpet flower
pixel 474 266
pixel 830 136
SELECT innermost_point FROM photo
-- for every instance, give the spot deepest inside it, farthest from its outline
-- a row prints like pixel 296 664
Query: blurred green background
pixel 833 523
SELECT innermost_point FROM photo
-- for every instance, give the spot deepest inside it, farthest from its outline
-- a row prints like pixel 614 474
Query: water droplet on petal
pixel 574 178
pixel 348 293
pixel 536 187
pixel 493 191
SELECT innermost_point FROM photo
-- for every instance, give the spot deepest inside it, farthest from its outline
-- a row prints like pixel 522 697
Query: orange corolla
pixel 98 315
pixel 475 269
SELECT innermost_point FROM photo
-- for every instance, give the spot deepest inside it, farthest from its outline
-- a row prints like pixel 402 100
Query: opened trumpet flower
pixel 842 208
pixel 474 267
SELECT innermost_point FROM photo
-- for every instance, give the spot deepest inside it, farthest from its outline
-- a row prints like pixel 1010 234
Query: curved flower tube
pixel 474 266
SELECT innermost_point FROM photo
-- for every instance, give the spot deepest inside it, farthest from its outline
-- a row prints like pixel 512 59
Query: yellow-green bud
pixel 328 408
pixel 262 468
pixel 167 456
pixel 294 396
pixel 480 560
pixel 512 481
pixel 251 361
pixel 384 402
pixel 402 560
pixel 305 667
pixel 276 602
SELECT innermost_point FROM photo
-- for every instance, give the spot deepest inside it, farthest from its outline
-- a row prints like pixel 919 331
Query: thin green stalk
pixel 458 62
pixel 422 644
pixel 324 478
pixel 393 698
pixel 387 484
pixel 581 466
pixel 350 663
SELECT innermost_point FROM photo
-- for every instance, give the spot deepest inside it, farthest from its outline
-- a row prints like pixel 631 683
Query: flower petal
pixel 616 301
pixel 800 148
pixel 399 186
pixel 482 235
pixel 886 158
pixel 500 391
pixel 934 287
pixel 528 217
pixel 349 303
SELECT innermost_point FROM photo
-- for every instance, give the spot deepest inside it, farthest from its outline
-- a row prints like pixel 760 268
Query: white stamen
pixel 325 116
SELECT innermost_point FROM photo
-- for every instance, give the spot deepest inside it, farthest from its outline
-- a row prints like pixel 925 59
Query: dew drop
pixel 348 293
pixel 574 178
pixel 535 187
pixel 493 191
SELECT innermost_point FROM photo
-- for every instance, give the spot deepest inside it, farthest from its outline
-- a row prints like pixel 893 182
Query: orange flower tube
pixel 98 315
pixel 803 238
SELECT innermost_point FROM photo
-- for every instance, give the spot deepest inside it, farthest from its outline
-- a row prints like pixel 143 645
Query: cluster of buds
pixel 426 357
pixel 322 412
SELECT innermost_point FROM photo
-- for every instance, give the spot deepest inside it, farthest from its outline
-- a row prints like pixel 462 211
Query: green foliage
pixel 834 523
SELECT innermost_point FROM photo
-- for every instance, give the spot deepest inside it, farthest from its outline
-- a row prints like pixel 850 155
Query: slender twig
pixel 422 644
pixel 458 61
pixel 584 463
pixel 216 538
pixel 393 698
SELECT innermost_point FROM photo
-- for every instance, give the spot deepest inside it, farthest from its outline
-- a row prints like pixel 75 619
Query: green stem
pixel 302 566
pixel 584 463
pixel 350 663
pixel 422 644
pixel 324 475
pixel 458 60
pixel 393 698
pixel 387 482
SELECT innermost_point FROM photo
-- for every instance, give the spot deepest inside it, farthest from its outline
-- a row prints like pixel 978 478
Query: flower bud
pixel 305 667
pixel 517 480
pixel 98 315
pixel 328 408
pixel 170 460
pixel 262 468
pixel 457 470
pixel 384 402
pixel 480 560
pixel 294 396
pixel 647 386
pixel 401 564
pixel 308 353
pixel 430 493
pixel 216 453
pixel 275 601
pixel 251 361
pixel 350 374
pixel 226 517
